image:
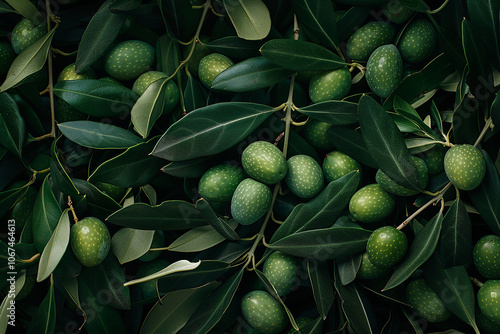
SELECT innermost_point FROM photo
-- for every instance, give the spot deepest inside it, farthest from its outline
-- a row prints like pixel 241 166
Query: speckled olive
pixel 264 162
pixel 395 11
pixel 465 166
pixel 371 204
pixel 219 182
pixel 486 256
pixel 315 134
pixel 263 312
pixel 418 41
pixel 281 270
pixel 25 33
pixel 488 299
pixel 171 90
pixel 250 201
pixel 384 70
pixel 90 241
pixel 386 246
pixel 211 66
pixel 337 164
pixel 426 302
pixel 366 39
pixel 129 59
pixel 305 176
pixel 368 270
pixel 332 85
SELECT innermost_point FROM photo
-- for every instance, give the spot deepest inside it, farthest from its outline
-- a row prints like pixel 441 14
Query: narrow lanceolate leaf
pixel 357 307
pixel 26 9
pixel 98 135
pixel 249 75
pixel 97 98
pixel 386 143
pixel 416 5
pixel 98 36
pixel 149 107
pixel 213 308
pixel 174 309
pixel 129 244
pixel 62 181
pixel 322 210
pixel 195 95
pixel 324 244
pixel 321 283
pixel 215 128
pixel 484 17
pixel 350 142
pixel 8 299
pixel 348 268
pixel 220 225
pixel 456 235
pixel 454 288
pixel 169 215
pixel 250 18
pixel 28 62
pixel 333 112
pixel 486 197
pixel 167 53
pixel 44 320
pixel 198 239
pixel 48 212
pixel 6 9
pixel 316 16
pixel 12 126
pixel 55 248
pixel 133 168
pixel 179 266
pixel 235 47
pixel 298 55
pixel 420 250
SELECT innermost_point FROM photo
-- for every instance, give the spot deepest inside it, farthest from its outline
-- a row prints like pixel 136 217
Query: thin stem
pixel 33 258
pixel 62 53
pixel 483 132
pixel 435 11
pixel 425 206
pixel 300 123
pixel 70 204
pixel 476 281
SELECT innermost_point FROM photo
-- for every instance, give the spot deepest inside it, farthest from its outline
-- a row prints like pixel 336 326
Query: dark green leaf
pixel 70 285
pixel 98 200
pixel 26 9
pixel 108 276
pixel 133 168
pixel 125 5
pixel 44 320
pixel 195 95
pixel 420 250
pixel 333 112
pixel 211 311
pixel 48 212
pixel 129 244
pixel 298 55
pixel 404 109
pixel 425 80
pixel 181 17
pixel 416 5
pixel 198 239
pixel 451 44
pixel 250 18
pixel 6 9
pixel 386 144
pixel 169 215
pixel 167 52
pixel 495 112
pixel 98 36
pixel 324 244
pixel 60 177
pixel 101 318
pixel 9 298
pixel 414 322
pixel 215 128
pixel 190 168
pixel 348 268
pixel 436 116
pixel 486 197
pixel 9 197
pixel 235 47
pixel 321 283
pixel 220 225
pixel 322 210
pixel 55 248
pixel 97 98
pixel 357 308
pixel 351 21
pixel 456 236
pixel 174 310
pixel 28 62
pixel 149 107
pixel 319 19
pixel 350 142
pixel 12 127
pixel 454 288
pixel 483 15
pixel 298 145
pixel 249 75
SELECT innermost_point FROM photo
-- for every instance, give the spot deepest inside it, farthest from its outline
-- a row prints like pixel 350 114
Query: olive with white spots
pixel 366 39
pixel 171 90
pixel 211 66
pixel 337 164
pixel 264 162
pixel 263 312
pixel 315 134
pixel 129 59
pixel 418 41
pixel 464 166
pixel 219 182
pixel 393 187
pixel 486 256
pixel 488 299
pixel 90 241
pixel 384 70
pixel 69 73
pixel 332 85
pixel 7 55
pixel 485 324
pixel 396 12
pixel 250 201
pixel 371 204
pixel 434 159
pixel 305 176
pixel 281 270
pixel 426 302
pixel 25 33
pixel 386 246
pixel 368 270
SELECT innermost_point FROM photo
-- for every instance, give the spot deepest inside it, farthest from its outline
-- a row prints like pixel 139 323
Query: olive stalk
pixel 486 127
